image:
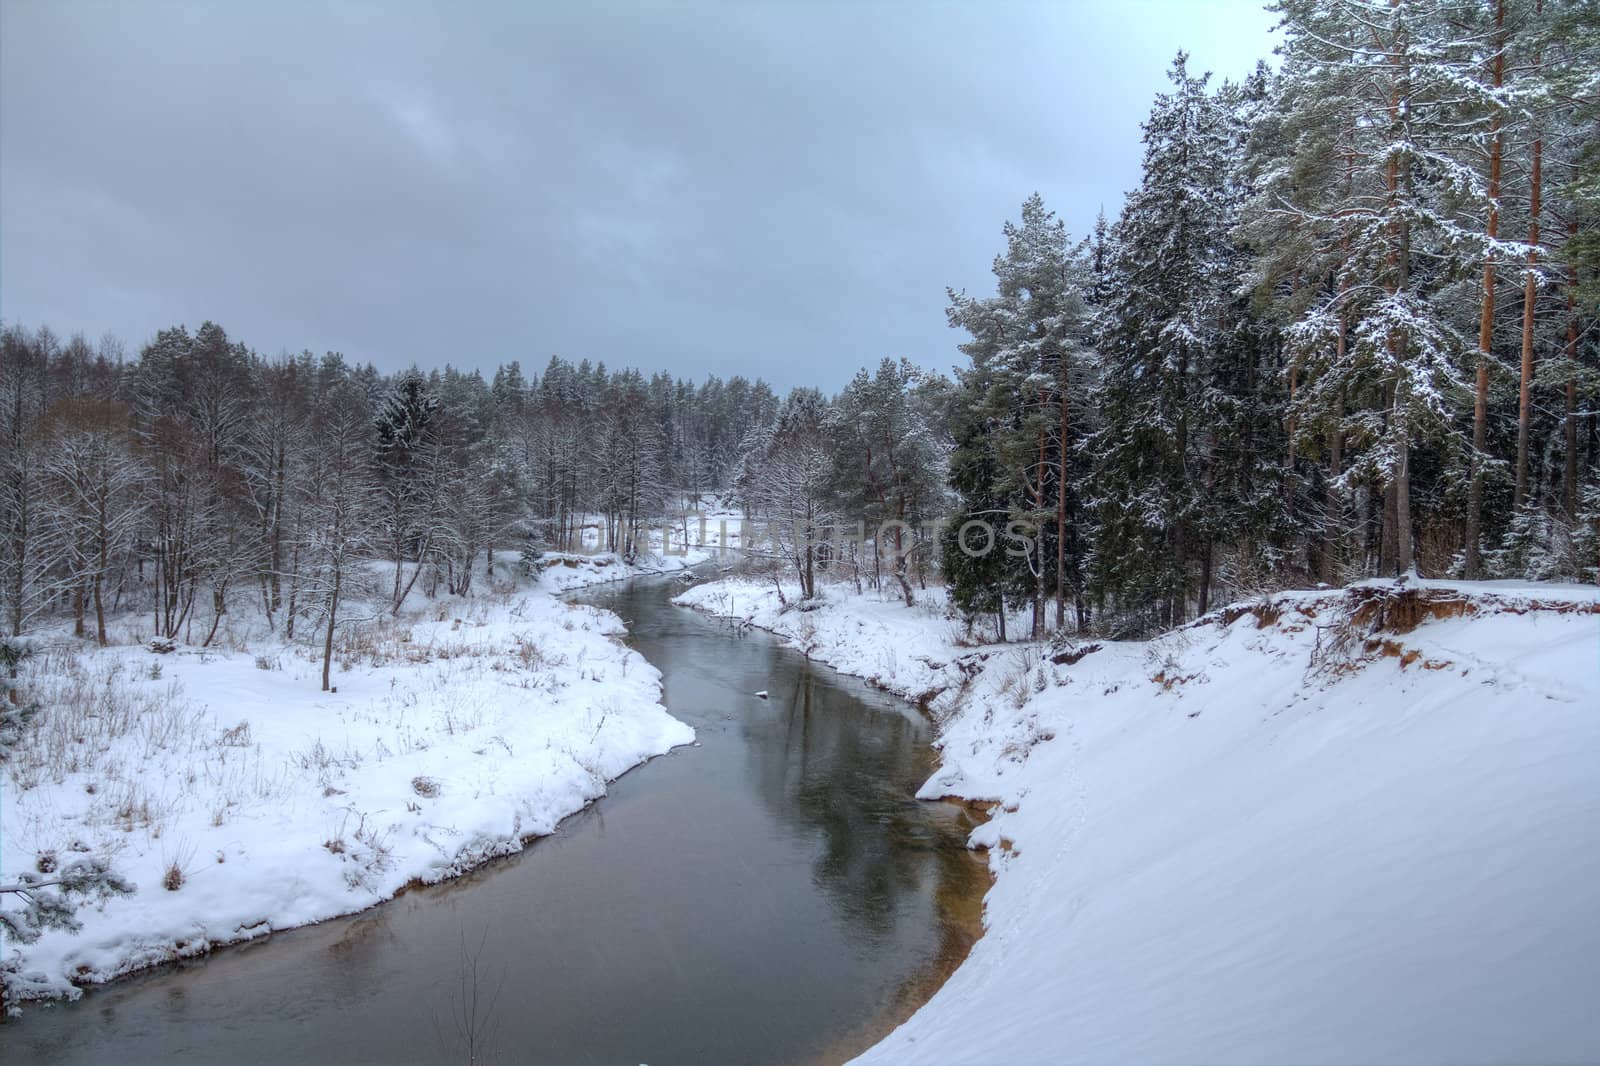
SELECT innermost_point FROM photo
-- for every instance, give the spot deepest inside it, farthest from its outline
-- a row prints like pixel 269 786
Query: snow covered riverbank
pixel 1329 827
pixel 241 799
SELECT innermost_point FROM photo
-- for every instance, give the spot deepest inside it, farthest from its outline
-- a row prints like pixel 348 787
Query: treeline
pixel 201 477
pixel 1345 326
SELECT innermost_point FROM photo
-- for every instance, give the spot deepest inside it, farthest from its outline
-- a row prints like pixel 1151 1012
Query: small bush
pixel 237 737
pixel 426 787
pixel 172 879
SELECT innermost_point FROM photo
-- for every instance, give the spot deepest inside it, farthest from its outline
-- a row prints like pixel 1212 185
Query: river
pixel 772 894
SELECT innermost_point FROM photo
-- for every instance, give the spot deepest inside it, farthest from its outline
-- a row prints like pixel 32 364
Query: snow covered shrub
pixel 369 852
pixel 531 560
pixel 1581 551
pixel 426 787
pixel 48 901
pixel 1525 550
pixel 15 710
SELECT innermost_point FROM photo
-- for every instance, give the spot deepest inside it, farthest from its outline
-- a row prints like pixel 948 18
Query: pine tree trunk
pixel 1292 427
pixel 1180 539
pixel 1405 559
pixel 1061 510
pixel 1569 476
pixel 1388 545
pixel 1480 406
pixel 1038 508
pixel 1333 504
pixel 1525 387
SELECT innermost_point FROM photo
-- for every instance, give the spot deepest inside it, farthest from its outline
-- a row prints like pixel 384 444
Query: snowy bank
pixel 673 545
pixel 1330 827
pixel 241 799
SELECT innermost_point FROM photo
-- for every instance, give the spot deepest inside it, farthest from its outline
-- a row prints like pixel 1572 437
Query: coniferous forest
pixel 1346 325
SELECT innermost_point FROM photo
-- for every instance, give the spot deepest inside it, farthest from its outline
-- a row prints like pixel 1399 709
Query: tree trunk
pixel 1388 544
pixel 327 642
pixel 219 598
pixel 1569 475
pixel 1291 428
pixel 1480 406
pixel 1038 508
pixel 416 571
pixel 1405 558
pixel 99 609
pixel 1180 538
pixel 1061 508
pixel 1334 502
pixel 811 571
pixel 1525 387
pixel 294 593
pixel 276 590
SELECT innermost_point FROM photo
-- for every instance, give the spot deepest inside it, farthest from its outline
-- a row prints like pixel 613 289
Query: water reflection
pixel 817 769
pixel 772 895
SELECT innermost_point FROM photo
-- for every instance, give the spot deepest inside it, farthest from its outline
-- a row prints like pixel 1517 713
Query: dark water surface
pixel 772 895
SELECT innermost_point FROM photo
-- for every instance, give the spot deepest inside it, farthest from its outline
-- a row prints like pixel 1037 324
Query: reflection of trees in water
pixel 358 956
pixel 826 764
pixel 358 946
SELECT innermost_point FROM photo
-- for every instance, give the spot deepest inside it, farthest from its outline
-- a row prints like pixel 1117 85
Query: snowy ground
pixel 1271 836
pixel 675 544
pixel 456 732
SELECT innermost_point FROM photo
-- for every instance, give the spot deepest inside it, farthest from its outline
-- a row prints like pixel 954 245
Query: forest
pixel 1346 325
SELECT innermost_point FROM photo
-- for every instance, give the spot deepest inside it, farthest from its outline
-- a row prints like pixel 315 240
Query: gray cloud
pixel 782 189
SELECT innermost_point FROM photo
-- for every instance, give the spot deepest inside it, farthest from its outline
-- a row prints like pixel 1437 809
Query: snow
pixel 457 732
pixel 908 651
pixel 674 545
pixel 1248 841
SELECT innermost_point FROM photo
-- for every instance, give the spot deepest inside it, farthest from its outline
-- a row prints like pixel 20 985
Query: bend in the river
pixel 772 894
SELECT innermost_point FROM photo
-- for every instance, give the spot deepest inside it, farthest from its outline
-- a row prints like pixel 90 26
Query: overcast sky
pixel 780 189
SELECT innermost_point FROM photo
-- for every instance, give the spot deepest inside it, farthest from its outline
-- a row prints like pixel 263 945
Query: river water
pixel 772 894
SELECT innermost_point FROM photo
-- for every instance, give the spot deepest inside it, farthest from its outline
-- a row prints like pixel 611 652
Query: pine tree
pixel 888 466
pixel 1374 185
pixel 407 471
pixel 1029 357
pixel 1163 330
